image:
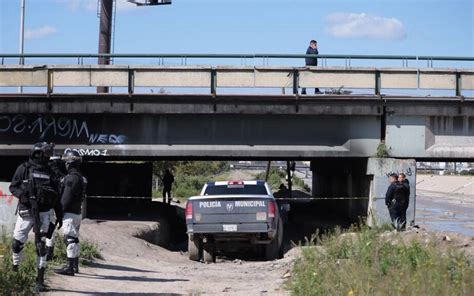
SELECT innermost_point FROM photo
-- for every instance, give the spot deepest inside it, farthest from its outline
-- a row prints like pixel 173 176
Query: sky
pixel 401 27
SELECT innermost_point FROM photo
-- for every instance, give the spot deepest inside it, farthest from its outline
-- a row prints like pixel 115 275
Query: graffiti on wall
pixel 88 152
pixel 8 205
pixel 57 129
pixel 408 172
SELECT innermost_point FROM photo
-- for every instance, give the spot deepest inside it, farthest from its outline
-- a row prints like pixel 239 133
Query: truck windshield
pixel 236 190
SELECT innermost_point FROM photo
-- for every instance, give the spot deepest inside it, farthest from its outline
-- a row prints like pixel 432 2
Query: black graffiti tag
pixel 408 172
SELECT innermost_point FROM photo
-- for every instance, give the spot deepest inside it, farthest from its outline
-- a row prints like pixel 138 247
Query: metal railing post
pixel 50 82
pixel 458 84
pixel 213 82
pixel 131 81
pixel 296 81
pixel 377 83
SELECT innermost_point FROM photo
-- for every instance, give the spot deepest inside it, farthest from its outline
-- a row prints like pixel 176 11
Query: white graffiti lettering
pixel 88 152
pixel 52 128
pixel 107 139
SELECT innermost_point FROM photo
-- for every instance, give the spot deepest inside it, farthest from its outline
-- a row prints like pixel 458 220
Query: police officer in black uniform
pixel 36 187
pixel 167 180
pixel 402 178
pixel 73 192
pixel 395 202
pixel 57 166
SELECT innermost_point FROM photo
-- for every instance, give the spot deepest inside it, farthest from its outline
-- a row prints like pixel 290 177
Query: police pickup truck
pixel 230 215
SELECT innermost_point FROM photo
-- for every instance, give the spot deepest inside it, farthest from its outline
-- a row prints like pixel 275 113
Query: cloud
pixel 92 5
pixel 362 25
pixel 75 5
pixel 40 32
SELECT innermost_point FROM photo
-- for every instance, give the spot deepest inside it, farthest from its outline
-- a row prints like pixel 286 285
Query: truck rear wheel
pixel 272 250
pixel 194 249
pixel 209 256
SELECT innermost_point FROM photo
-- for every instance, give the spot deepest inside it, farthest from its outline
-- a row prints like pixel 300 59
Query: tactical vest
pixel 44 188
pixel 83 185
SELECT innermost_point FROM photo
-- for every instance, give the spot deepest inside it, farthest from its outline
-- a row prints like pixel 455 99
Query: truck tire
pixel 194 249
pixel 273 249
pixel 209 256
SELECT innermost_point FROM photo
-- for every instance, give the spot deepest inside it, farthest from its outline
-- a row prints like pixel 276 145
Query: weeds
pixel 382 150
pixel 22 282
pixel 89 251
pixel 374 262
pixel 17 283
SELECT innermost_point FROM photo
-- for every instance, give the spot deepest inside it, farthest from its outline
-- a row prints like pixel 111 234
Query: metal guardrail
pixel 264 56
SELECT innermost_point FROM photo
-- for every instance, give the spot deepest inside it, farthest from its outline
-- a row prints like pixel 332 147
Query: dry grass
pixel 370 262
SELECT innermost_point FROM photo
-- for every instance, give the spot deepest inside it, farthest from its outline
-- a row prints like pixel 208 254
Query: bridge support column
pixel 379 169
pixel 344 184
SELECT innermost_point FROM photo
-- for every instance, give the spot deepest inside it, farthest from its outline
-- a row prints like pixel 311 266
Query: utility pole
pixel 106 11
pixel 22 36
pixel 105 35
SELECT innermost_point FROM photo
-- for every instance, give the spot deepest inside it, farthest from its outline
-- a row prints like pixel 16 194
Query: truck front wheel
pixel 194 248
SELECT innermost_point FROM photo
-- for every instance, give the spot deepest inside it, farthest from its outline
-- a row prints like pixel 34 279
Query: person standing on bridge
pixel 167 180
pixel 73 193
pixel 312 49
pixel 37 190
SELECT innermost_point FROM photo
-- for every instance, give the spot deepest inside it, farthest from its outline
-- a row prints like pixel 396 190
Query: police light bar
pixel 150 2
pixel 235 183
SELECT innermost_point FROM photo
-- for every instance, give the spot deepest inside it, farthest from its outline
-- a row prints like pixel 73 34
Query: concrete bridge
pixel 339 133
pixel 131 124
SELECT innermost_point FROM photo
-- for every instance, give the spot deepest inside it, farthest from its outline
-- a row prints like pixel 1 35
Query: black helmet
pixel 72 158
pixel 42 150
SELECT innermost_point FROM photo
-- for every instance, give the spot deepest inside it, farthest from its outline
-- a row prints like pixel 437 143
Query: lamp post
pixel 22 36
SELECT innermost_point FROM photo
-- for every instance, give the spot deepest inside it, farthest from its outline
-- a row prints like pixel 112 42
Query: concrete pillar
pixel 343 184
pixel 380 169
pixel 351 188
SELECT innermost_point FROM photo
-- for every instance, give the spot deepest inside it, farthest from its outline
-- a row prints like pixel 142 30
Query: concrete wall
pixel 8 204
pixel 430 136
pixel 195 135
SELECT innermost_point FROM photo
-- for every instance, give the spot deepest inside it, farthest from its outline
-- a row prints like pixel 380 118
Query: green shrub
pixel 89 251
pixel 373 262
pixel 382 151
pixel 17 283
pixel 277 177
pixel 189 176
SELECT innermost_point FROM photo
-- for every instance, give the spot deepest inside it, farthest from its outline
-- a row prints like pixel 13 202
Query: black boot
pixel 49 253
pixel 68 269
pixel 40 286
pixel 15 268
pixel 76 265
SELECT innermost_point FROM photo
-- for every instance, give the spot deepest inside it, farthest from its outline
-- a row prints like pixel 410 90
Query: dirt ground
pixel 132 266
